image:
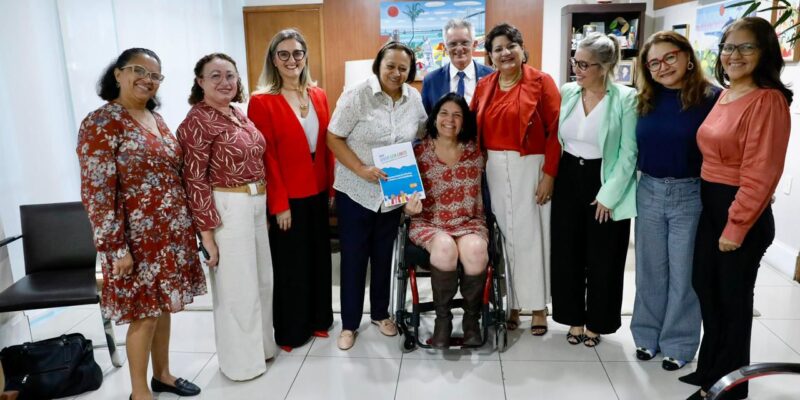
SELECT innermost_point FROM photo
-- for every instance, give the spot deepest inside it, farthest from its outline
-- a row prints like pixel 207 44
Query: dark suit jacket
pixel 437 83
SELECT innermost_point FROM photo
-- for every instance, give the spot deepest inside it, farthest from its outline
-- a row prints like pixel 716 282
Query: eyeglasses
pixel 142 72
pixel 745 49
pixel 216 77
pixel 284 55
pixel 453 45
pixel 581 65
pixel 668 59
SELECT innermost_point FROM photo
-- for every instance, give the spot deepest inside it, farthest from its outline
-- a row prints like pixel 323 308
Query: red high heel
pixel 287 349
pixel 320 334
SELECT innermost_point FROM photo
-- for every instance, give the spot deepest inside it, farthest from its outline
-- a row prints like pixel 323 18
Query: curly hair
pixel 107 86
pixel 197 94
pixel 696 87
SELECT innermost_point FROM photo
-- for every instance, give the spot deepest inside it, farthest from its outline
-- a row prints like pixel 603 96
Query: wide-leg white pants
pixel 242 286
pixel 513 180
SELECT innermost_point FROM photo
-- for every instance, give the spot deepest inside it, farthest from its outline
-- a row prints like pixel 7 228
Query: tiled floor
pixel 532 367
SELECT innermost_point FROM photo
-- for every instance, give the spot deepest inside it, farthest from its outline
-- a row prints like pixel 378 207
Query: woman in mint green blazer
pixel 594 196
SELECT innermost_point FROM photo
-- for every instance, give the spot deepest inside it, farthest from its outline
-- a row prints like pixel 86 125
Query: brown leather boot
pixel 444 285
pixel 472 291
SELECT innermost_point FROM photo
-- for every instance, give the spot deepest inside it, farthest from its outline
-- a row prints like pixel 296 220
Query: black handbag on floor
pixel 51 368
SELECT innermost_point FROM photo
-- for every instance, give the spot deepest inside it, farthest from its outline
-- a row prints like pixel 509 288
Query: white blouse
pixel 368 118
pixel 310 126
pixel 580 132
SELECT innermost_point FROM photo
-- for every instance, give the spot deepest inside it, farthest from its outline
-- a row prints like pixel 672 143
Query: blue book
pixel 403 181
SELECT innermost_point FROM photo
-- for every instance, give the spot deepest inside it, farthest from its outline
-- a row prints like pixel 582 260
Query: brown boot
pixel 472 291
pixel 444 285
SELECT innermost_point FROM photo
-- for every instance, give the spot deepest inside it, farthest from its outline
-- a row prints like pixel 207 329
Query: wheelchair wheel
pixel 500 337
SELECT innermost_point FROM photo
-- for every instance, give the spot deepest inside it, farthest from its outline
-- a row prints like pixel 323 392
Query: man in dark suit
pixel 462 73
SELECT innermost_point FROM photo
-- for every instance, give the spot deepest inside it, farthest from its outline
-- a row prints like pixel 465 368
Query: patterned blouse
pixel 133 192
pixel 453 204
pixel 368 118
pixel 221 151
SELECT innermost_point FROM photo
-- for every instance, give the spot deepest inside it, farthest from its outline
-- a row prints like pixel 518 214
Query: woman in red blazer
pixel 292 114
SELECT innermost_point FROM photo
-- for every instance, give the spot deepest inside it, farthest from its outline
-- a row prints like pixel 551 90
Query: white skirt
pixel 513 180
pixel 242 286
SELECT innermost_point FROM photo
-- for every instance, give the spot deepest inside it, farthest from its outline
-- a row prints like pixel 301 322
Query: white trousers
pixel 525 225
pixel 242 286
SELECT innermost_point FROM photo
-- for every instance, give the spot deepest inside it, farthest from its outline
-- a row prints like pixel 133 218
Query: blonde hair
pixel 604 49
pixel 270 80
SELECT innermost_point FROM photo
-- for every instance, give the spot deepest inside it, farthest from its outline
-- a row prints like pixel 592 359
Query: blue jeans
pixel 666 313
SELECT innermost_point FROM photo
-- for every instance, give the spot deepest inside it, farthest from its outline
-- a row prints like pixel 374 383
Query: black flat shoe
pixel 182 387
pixel 692 379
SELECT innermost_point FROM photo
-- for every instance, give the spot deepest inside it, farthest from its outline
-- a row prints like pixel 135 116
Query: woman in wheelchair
pixel 450 223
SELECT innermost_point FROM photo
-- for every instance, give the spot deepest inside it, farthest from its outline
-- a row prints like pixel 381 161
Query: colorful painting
pixel 419 25
pixel 711 22
pixel 790 52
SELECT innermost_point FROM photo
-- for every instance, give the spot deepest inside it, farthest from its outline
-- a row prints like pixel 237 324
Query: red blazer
pixel 291 174
pixel 540 105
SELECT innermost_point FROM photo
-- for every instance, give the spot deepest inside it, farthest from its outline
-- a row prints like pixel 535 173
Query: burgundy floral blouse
pixel 453 203
pixel 132 190
pixel 221 151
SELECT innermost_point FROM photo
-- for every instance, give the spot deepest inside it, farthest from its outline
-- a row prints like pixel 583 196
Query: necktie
pixel 460 88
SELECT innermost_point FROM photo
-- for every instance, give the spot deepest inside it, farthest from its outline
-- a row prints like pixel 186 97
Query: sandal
pixel 538 330
pixel 574 339
pixel 645 354
pixel 591 341
pixel 672 364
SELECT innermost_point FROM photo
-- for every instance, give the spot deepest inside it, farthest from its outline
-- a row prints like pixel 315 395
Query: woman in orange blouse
pixel 743 141
pixel 517 111
pixel 292 114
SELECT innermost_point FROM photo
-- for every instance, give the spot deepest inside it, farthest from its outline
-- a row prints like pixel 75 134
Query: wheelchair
pixel 410 262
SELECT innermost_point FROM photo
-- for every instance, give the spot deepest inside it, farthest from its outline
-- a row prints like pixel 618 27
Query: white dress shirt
pixel 581 132
pixel 470 80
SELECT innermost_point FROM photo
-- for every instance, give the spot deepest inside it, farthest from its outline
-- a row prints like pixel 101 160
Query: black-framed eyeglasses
pixel 745 49
pixel 581 65
pixel 669 58
pixel 142 72
pixel 284 55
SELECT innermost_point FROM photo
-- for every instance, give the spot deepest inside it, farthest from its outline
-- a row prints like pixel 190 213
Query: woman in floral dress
pixel 449 223
pixel 133 192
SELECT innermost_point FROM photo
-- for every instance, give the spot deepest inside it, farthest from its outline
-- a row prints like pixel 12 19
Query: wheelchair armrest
pixel 9 240
pixel 749 372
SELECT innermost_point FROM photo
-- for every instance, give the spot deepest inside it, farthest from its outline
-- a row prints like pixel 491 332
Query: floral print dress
pixel 453 203
pixel 133 192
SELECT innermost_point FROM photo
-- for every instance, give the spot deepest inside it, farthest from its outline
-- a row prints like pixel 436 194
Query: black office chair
pixel 60 262
pixel 744 374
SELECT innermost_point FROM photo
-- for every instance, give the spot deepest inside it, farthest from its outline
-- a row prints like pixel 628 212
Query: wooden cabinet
pixel 574 17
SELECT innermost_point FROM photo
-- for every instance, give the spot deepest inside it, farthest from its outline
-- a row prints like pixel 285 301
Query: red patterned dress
pixel 132 190
pixel 453 203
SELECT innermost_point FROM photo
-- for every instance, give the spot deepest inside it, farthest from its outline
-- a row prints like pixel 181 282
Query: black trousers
pixel 587 264
pixel 724 283
pixel 366 237
pixel 301 262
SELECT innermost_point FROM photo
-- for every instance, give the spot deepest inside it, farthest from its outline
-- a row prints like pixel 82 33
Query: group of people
pixel 560 166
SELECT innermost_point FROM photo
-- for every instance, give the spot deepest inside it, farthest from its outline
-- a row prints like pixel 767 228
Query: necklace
pixel 301 100
pixel 508 85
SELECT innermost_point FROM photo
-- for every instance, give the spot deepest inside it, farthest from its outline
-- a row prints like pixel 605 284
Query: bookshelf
pixel 574 17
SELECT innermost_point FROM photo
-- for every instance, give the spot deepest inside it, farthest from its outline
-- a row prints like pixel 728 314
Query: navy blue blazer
pixel 437 83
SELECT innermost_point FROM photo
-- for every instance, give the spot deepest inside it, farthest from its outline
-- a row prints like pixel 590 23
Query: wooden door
pixel 262 23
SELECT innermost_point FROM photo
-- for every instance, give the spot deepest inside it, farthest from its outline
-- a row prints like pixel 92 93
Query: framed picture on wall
pixel 626 71
pixel 682 29
pixel 790 53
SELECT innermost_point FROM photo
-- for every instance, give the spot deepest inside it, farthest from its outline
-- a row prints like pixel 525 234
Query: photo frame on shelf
pixel 790 52
pixel 626 71
pixel 682 29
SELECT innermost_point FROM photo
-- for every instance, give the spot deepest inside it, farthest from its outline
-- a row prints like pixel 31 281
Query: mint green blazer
pixel 617 144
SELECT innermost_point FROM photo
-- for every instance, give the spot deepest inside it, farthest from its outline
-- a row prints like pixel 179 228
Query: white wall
pixel 784 250
pixel 52 53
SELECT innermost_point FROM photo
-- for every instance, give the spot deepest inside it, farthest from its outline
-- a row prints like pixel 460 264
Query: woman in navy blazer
pixel 292 114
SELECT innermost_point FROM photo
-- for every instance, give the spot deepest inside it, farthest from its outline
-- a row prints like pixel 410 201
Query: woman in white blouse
pixel 381 111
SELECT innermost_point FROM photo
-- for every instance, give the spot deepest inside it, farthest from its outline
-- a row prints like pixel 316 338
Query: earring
pixel 117 83
pixel 690 66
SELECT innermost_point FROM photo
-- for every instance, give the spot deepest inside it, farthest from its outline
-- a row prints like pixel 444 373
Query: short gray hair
pixel 458 23
pixel 604 49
